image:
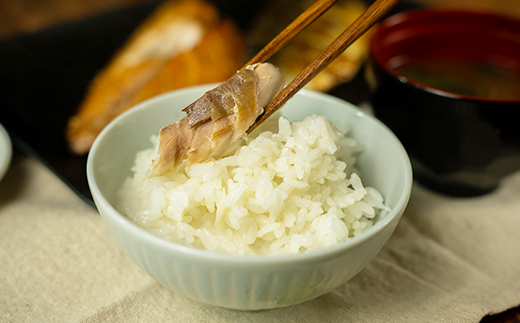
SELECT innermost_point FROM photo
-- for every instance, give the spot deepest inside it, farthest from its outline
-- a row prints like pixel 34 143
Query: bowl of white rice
pixel 300 207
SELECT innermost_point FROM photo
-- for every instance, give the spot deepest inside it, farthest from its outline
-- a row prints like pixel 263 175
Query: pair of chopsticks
pixel 361 25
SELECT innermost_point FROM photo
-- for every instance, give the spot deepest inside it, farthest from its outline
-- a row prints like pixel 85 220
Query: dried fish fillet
pixel 183 43
pixel 218 119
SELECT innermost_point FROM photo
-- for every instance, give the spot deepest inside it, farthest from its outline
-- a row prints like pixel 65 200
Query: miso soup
pixel 467 78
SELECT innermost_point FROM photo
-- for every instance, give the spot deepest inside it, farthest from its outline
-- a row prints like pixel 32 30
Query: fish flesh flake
pixel 218 119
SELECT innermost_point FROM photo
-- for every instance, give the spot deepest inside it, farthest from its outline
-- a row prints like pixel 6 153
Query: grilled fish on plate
pixel 303 49
pixel 183 43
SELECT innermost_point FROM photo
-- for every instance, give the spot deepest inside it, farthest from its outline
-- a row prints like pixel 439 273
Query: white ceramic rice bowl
pixel 247 282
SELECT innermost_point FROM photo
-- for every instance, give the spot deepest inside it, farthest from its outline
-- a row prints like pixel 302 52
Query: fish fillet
pixel 183 43
pixel 218 119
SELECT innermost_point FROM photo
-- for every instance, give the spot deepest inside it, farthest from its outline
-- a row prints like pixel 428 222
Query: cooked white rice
pixel 286 191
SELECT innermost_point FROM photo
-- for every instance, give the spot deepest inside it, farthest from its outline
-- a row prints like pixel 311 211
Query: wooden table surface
pixel 19 17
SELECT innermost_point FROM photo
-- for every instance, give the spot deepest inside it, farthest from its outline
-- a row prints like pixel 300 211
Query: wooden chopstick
pixel 361 25
pixel 303 20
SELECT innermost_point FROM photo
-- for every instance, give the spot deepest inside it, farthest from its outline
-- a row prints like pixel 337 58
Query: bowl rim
pixel 432 13
pixel 6 151
pixel 322 253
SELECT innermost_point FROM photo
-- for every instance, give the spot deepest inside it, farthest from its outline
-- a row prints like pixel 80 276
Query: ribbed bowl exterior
pixel 236 282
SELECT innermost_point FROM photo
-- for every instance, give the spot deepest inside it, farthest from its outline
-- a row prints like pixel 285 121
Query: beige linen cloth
pixel 450 260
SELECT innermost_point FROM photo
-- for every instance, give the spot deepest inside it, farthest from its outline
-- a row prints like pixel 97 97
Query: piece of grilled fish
pixel 183 43
pixel 305 46
pixel 218 119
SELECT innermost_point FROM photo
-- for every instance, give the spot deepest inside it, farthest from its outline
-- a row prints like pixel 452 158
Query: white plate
pixel 6 151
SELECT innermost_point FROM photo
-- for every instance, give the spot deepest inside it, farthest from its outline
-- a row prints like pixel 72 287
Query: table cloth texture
pixel 449 260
